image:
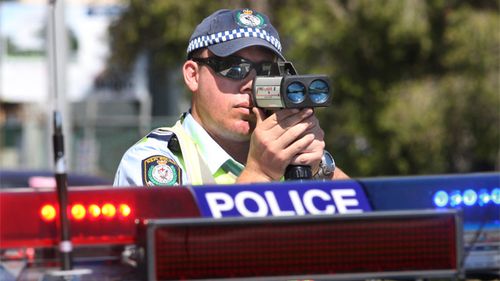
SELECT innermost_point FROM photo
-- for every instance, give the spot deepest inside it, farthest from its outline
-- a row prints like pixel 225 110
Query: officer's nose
pixel 247 85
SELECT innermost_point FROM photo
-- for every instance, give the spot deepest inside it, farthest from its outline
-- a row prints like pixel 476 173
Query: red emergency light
pixel 48 212
pixel 98 215
pixel 78 212
pixel 337 247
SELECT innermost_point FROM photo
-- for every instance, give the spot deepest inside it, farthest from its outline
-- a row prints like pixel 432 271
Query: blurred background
pixel 416 83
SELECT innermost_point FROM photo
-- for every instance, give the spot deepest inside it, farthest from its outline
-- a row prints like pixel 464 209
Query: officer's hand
pixel 285 136
pixel 312 154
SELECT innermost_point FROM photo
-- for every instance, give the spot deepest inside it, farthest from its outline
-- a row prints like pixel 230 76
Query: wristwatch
pixel 326 166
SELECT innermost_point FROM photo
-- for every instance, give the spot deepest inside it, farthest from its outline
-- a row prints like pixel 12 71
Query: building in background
pixel 98 109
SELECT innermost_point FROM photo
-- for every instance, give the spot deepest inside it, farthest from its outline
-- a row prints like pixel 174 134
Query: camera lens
pixel 296 92
pixel 319 91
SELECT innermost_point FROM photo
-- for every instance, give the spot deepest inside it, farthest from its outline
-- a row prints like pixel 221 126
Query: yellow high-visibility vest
pixel 196 168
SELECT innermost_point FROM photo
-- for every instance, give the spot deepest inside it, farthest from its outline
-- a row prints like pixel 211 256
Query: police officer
pixel 223 138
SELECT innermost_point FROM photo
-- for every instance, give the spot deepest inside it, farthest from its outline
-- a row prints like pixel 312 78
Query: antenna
pixel 61 177
pixel 65 246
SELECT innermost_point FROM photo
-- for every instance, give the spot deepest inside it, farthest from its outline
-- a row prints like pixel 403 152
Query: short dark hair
pixel 195 53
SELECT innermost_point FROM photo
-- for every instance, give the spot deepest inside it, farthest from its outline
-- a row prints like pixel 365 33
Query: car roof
pixel 43 178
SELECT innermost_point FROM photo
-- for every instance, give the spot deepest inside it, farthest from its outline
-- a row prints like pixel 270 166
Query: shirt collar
pixel 210 150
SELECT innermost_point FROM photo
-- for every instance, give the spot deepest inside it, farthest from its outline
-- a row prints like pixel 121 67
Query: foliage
pixel 160 28
pixel 416 82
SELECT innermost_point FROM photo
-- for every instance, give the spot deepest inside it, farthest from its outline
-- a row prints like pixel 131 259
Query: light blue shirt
pixel 151 162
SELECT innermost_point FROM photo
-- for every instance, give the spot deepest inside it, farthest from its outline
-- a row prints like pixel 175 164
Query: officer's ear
pixel 190 70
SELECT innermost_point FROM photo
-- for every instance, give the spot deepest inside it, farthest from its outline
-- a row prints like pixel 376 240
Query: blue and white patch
pixel 159 170
pixel 216 38
pixel 249 18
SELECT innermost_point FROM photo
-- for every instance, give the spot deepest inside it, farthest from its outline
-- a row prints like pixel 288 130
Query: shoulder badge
pixel 160 170
pixel 249 18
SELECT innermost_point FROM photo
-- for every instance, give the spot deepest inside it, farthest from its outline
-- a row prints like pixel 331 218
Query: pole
pixel 65 245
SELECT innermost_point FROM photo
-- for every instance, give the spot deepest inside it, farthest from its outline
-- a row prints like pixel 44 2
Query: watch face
pixel 328 163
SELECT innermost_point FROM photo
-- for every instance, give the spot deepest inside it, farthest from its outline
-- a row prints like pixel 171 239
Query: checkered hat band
pixel 212 39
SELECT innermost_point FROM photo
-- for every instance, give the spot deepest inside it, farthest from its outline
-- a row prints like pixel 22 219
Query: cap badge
pixel 249 18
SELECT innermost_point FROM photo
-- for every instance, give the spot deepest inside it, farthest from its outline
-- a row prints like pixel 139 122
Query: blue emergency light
pixel 441 198
pixel 468 197
pixel 495 196
pixel 484 197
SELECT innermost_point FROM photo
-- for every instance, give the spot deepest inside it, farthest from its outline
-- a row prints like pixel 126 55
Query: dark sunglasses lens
pixel 238 68
pixel 235 70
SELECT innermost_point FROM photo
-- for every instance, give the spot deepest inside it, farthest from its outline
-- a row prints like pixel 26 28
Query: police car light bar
pixel 347 247
pixel 98 215
pixel 468 198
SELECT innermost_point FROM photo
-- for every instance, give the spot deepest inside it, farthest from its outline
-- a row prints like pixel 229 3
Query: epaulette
pixel 167 136
pixel 159 134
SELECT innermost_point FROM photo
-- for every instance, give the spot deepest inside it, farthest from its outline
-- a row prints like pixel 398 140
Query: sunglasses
pixel 237 68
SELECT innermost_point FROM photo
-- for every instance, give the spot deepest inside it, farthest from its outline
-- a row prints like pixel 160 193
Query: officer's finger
pixel 281 115
pixel 260 114
pixel 310 154
pixel 311 159
pixel 289 137
pixel 298 146
pixel 284 119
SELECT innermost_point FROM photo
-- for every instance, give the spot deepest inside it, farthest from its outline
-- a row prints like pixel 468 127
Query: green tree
pixel 160 30
pixel 415 83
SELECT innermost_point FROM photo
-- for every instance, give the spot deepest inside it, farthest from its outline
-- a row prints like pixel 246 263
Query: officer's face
pixel 222 105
